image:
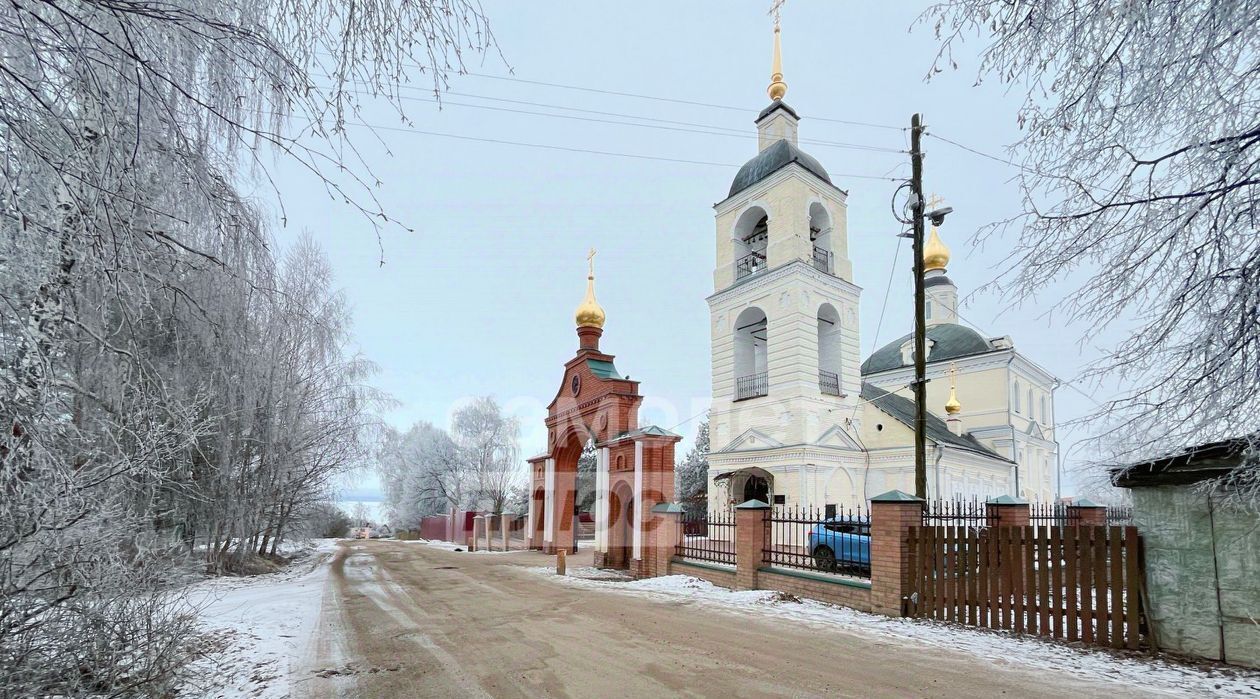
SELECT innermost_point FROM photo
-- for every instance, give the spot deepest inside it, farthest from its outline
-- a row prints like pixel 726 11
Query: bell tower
pixel 784 312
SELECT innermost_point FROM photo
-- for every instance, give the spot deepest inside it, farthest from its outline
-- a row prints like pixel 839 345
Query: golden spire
pixel 952 406
pixel 590 314
pixel 935 254
pixel 777 88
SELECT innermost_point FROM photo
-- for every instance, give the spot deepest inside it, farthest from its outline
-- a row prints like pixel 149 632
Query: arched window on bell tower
pixel 751 240
pixel 828 350
pixel 751 351
pixel 820 236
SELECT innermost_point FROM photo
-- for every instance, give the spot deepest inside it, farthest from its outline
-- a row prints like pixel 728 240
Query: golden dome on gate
pixel 590 314
pixel 935 254
pixel 952 406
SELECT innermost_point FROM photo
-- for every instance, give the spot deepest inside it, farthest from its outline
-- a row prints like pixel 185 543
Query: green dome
pixel 774 158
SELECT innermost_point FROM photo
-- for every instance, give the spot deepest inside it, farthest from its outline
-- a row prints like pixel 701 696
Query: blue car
pixel 841 544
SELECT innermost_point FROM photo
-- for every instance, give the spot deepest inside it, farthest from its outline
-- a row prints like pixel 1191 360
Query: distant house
pixel 1202 551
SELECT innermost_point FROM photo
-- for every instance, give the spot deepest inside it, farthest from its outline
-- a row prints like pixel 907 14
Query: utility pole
pixel 920 323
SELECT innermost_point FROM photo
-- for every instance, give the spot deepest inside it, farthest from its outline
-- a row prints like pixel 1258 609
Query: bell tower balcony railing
pixel 822 259
pixel 751 263
pixel 753 386
pixel 829 383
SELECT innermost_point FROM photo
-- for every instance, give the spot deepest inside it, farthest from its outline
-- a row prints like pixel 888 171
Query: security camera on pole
pixel 918 212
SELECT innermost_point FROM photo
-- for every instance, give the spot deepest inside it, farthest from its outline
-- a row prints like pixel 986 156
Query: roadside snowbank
pixel 257 627
pixel 996 648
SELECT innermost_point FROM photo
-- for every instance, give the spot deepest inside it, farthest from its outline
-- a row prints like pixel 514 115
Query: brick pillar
pixel 479 526
pixel 505 525
pixel 1086 512
pixel 750 542
pixel 892 516
pixel 660 541
pixel 1006 511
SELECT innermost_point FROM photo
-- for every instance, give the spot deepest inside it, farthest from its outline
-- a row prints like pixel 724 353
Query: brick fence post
pixel 479 525
pixel 1006 511
pixel 1086 512
pixel 505 523
pixel 661 539
pixel 893 514
pixel 750 542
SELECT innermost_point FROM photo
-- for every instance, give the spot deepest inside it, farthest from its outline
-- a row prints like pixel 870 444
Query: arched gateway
pixel 635 465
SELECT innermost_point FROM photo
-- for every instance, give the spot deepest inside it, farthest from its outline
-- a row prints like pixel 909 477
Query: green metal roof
pixel 602 369
pixel 774 158
pixel 948 341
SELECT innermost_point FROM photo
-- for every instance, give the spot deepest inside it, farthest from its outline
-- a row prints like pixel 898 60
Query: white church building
pixel 797 417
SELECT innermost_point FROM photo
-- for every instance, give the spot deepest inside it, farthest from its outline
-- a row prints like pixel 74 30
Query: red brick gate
pixel 1074 582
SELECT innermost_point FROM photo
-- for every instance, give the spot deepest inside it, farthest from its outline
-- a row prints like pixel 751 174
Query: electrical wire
pixel 668 99
pixel 570 149
pixel 706 129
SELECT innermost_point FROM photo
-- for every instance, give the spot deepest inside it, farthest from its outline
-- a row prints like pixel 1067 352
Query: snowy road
pixel 409 620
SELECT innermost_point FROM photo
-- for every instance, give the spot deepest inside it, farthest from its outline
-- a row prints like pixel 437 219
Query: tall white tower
pixel 784 318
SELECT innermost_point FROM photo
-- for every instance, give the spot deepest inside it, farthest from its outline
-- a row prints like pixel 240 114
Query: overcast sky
pixel 479 299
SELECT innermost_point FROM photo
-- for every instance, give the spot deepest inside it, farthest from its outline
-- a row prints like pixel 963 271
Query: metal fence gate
pixel 1073 582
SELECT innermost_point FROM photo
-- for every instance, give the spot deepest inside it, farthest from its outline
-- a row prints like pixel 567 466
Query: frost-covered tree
pixel 489 449
pixel 588 462
pixel 1140 168
pixel 422 473
pixel 691 476
pixel 170 387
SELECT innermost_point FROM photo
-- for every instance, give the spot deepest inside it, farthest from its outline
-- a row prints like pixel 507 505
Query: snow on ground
pixel 256 627
pixel 448 546
pixel 996 648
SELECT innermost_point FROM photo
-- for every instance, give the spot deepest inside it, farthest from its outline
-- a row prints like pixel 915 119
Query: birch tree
pixel 162 394
pixel 489 449
pixel 1140 170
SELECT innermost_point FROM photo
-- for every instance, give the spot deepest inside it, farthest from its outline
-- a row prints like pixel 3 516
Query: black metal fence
pixel 1051 514
pixel 708 537
pixel 830 540
pixel 752 386
pixel 956 513
pixel 829 383
pixel 1118 515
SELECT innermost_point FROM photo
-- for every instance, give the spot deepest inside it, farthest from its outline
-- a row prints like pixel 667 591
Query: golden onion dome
pixel 590 314
pixel 952 406
pixel 935 254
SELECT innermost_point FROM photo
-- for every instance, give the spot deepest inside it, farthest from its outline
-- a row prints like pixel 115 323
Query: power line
pixel 571 149
pixel 982 154
pixel 635 95
pixel 706 129
pixel 666 99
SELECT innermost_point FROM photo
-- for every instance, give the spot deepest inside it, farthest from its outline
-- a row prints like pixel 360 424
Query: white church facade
pixel 797 417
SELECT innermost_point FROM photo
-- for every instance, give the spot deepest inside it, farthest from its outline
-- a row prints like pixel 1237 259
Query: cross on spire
pixel 590 258
pixel 775 7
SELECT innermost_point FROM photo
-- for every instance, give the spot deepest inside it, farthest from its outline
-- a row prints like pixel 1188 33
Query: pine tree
pixel 691 477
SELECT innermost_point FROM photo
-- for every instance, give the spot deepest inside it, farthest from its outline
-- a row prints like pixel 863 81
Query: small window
pixel 927 310
pixel 1015 396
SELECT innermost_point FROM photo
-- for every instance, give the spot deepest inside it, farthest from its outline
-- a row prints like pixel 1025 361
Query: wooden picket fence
pixel 1073 582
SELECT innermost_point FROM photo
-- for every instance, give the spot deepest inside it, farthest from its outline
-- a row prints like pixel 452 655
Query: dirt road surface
pixel 409 620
